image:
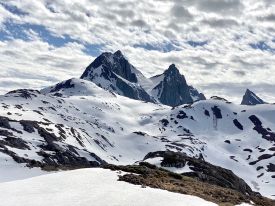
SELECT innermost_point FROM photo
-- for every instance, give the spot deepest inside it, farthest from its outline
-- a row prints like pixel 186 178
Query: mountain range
pixel 113 114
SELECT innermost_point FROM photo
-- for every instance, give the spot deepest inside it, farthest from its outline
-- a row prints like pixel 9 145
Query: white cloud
pixel 228 26
pixel 35 64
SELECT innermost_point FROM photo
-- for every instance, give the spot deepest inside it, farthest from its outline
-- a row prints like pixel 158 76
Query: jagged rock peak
pixel 173 89
pixel 250 98
pixel 113 62
pixel 118 53
pixel 113 72
pixel 172 69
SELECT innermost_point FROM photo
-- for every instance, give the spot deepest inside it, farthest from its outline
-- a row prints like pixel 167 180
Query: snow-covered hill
pixel 87 187
pixel 85 125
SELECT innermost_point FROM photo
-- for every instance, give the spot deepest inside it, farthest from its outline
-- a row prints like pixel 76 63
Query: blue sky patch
pixel 261 45
pixel 13 30
pixel 93 49
pixel 13 9
pixel 197 43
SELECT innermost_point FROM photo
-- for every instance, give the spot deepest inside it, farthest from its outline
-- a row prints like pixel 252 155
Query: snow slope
pixel 95 124
pixel 87 187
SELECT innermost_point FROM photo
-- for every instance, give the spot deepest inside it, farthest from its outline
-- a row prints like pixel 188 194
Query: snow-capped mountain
pixel 250 98
pixel 91 121
pixel 171 88
pixel 114 73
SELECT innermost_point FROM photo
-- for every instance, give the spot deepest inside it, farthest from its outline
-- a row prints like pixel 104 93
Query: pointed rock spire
pixel 250 98
pixel 112 71
pixel 173 90
pixel 118 53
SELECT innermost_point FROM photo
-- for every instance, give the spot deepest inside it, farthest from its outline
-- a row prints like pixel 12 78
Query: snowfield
pixel 86 187
pixel 93 123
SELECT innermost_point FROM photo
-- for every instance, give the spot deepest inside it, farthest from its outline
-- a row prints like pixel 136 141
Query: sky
pixel 221 46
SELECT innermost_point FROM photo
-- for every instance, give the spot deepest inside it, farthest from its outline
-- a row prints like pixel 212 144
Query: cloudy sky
pixel 221 46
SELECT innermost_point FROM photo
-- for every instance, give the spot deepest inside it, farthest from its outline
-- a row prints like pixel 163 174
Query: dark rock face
pixel 173 89
pixel 203 171
pixel 195 94
pixel 266 134
pixel 114 62
pixel 133 92
pixel 251 98
pixel 238 124
pixel 271 167
pixel 54 156
pixel 63 85
pixel 24 93
pixel 217 112
pixel 119 73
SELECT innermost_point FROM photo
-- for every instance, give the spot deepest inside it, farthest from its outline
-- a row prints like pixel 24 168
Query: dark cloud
pixel 220 23
pixel 240 73
pixel 224 7
pixel 270 17
pixel 181 13
pixel 139 23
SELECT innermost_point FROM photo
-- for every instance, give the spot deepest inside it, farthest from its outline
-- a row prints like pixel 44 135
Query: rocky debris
pixel 149 175
pixel 206 112
pixel 13 142
pixel 4 122
pixel 24 93
pixel 182 115
pixel 164 122
pixel 248 150
pixel 55 154
pixel 140 133
pixel 271 167
pixel 250 98
pixel 63 85
pixel 217 112
pixel 262 157
pixel 238 124
pixel 203 171
pixel 28 126
pixel 219 99
pixel 266 134
pixel 227 141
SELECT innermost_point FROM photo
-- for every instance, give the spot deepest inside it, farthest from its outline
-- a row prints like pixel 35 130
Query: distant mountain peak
pixel 113 72
pixel 172 68
pixel 173 90
pixel 118 53
pixel 250 98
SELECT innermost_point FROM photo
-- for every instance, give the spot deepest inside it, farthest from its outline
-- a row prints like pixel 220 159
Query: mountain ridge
pixel 113 71
pixel 76 123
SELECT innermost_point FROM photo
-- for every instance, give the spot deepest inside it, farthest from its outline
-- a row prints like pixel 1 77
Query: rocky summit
pixel 250 98
pixel 173 90
pixel 112 71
